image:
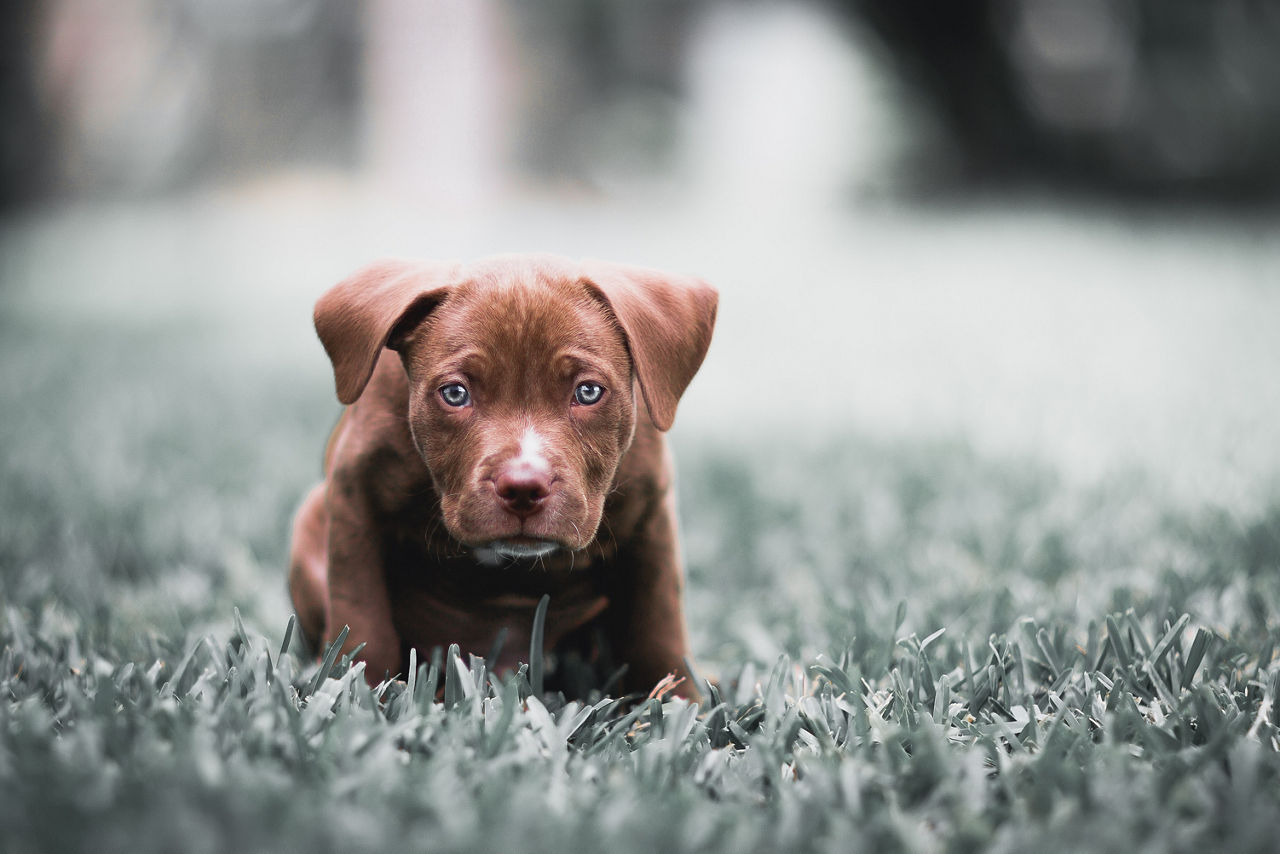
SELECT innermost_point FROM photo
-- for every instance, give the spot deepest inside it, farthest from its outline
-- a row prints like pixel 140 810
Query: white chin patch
pixel 502 549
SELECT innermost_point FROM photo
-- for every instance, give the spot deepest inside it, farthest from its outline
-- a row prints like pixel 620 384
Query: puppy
pixel 494 448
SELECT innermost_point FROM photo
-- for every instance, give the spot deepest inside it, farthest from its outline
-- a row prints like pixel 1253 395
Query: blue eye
pixel 455 394
pixel 588 393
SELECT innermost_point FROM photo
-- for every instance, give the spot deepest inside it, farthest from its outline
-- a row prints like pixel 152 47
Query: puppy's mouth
pixel 515 547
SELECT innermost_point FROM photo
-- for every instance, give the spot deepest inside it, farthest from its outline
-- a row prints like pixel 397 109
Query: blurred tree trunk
pixel 25 128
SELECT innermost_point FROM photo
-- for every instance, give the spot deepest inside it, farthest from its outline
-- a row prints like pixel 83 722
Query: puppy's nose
pixel 523 488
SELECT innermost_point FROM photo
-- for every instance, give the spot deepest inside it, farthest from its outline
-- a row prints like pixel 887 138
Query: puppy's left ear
pixel 667 320
pixel 376 307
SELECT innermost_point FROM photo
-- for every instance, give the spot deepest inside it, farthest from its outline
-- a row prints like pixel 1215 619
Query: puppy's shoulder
pixel 372 441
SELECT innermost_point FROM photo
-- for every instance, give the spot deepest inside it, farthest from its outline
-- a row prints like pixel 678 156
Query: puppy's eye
pixel 588 393
pixel 455 394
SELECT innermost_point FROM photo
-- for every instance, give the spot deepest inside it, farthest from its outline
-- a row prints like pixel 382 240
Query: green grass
pixel 917 647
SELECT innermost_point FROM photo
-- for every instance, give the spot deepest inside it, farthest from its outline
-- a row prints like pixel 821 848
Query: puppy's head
pixel 521 375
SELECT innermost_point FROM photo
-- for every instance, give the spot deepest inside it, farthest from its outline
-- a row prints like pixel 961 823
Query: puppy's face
pixel 521 371
pixel 521 405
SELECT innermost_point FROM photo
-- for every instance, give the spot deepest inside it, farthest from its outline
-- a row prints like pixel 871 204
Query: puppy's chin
pixel 482 527
pixel 499 551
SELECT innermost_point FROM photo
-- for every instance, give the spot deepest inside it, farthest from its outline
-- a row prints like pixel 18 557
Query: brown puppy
pixel 494 450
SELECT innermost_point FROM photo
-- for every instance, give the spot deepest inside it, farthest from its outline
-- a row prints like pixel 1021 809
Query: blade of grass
pixel 176 680
pixel 498 643
pixel 1046 649
pixel 1194 656
pixel 288 634
pixel 1273 696
pixel 536 664
pixel 614 680
pixel 431 684
pixel 1116 638
pixel 240 631
pixel 411 678
pixel 942 698
pixel 453 691
pixel 838 679
pixel 1135 631
pixel 330 656
pixel 495 736
pixel 694 675
pixel 345 663
pixel 1166 641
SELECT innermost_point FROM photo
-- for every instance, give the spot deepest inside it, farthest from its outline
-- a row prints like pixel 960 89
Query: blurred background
pixel 1044 231
pixel 1137 97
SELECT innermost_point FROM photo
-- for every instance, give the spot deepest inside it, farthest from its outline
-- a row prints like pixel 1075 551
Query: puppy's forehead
pixel 535 310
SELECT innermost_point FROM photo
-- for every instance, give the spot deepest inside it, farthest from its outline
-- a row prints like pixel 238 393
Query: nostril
pixel 513 490
pixel 522 489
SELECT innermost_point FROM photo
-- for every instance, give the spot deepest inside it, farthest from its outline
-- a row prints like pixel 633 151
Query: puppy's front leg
pixel 358 589
pixel 647 629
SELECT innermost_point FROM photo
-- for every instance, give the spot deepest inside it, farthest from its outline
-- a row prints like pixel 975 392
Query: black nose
pixel 523 489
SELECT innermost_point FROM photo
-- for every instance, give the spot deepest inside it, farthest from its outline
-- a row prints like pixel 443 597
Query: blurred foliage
pixel 1150 97
pixel 146 97
pixel 1159 98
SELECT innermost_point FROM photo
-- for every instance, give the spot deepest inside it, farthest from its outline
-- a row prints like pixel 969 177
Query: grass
pixel 916 647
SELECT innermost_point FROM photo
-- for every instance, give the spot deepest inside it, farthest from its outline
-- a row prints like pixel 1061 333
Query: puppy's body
pixel 499 455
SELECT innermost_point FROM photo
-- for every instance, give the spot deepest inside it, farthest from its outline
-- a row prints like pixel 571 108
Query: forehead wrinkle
pixel 569 362
pixel 471 362
pixel 498 324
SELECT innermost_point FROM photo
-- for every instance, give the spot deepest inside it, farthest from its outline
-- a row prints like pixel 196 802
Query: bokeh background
pixel 982 254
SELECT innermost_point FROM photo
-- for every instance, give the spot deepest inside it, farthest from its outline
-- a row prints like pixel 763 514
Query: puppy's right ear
pixel 373 309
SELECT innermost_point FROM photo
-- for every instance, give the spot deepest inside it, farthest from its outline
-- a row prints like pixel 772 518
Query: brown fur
pixel 398 542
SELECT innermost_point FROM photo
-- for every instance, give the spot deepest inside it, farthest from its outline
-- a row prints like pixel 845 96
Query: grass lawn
pixel 919 644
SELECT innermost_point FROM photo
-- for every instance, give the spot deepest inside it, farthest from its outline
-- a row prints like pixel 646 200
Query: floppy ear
pixel 667 321
pixel 370 310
